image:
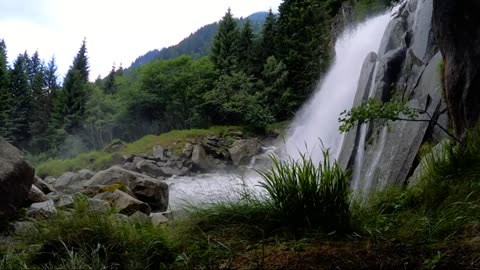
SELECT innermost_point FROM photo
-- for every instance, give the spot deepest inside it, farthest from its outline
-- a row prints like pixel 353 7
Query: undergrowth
pixel 88 239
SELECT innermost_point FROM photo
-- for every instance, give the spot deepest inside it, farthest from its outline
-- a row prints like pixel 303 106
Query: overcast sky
pixel 117 31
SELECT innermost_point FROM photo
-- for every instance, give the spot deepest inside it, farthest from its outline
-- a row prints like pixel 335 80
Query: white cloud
pixel 117 31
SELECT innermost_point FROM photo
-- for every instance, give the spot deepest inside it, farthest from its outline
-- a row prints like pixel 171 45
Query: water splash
pixel 317 122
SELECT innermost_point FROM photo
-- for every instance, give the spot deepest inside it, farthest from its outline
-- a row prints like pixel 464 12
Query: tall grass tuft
pixel 305 193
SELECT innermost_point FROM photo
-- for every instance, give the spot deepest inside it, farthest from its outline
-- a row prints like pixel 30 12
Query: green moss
pixel 113 187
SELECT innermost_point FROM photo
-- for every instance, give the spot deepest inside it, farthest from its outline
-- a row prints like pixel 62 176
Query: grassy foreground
pixel 307 220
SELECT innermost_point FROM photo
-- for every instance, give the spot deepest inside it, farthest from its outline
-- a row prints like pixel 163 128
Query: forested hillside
pixel 249 78
pixel 197 44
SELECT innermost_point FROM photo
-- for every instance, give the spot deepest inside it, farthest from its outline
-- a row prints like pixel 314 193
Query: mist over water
pixel 317 122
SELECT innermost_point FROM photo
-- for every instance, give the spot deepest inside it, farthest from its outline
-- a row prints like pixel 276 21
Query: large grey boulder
pixel 16 179
pixel 242 151
pixel 42 185
pixel 158 152
pixel 111 176
pixel 152 191
pixel 423 44
pixel 200 159
pixel 42 210
pixel 158 218
pixel 124 202
pixel 36 195
pixel 85 174
pixel 393 38
pixel 69 183
pixel 151 168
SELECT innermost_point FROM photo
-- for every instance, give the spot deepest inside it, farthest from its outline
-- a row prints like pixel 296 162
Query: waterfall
pixel 357 167
pixel 317 121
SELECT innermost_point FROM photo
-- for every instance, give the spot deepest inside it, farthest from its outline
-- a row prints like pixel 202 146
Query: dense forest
pixel 249 78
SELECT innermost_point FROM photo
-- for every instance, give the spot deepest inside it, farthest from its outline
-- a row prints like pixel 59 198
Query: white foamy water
pixel 210 187
pixel 317 121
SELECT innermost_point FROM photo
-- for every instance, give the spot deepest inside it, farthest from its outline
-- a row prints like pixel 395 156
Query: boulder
pixel 158 152
pixel 393 36
pixel 98 205
pixel 158 218
pixel 16 179
pixel 42 210
pixel 69 183
pixel 242 151
pixel 151 168
pixel 42 185
pixel 111 176
pixel 129 166
pixel 187 150
pixel 118 159
pixel 388 71
pixel 217 148
pixel 139 218
pixel 124 202
pixel 152 191
pixel 50 180
pixel 36 195
pixel 423 44
pixel 199 158
pixel 85 174
pixel 65 201
pixel 24 227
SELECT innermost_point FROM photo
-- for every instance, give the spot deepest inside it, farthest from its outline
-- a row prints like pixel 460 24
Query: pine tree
pixel 76 91
pixel 109 85
pixel 21 113
pixel 5 95
pixel 51 77
pixel 224 51
pixel 268 37
pixel 246 48
pixel 303 42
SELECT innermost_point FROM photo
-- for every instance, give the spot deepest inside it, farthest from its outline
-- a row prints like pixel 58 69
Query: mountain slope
pixel 196 45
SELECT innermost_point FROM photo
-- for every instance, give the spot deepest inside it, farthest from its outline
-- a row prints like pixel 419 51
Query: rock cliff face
pixel 456 25
pixel 16 179
pixel 407 66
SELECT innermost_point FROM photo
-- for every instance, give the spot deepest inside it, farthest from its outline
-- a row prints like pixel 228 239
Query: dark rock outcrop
pixel 16 179
pixel 456 26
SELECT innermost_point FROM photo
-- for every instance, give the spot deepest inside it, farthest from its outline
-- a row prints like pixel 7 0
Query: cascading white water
pixel 317 122
pixel 318 119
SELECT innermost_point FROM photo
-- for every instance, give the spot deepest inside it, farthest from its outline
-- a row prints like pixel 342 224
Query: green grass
pixel 95 161
pixel 56 167
pixel 85 239
pixel 176 139
pixel 444 206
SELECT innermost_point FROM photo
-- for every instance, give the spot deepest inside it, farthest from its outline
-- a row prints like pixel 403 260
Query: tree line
pixel 247 79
